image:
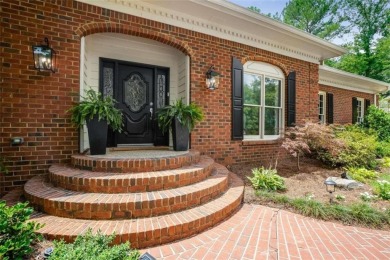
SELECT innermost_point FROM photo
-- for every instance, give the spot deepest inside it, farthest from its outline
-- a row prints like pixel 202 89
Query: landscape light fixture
pixel 44 57
pixel 212 79
pixel 330 187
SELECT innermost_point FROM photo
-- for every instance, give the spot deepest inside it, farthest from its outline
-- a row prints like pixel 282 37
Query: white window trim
pixel 361 109
pixel 278 75
pixel 322 93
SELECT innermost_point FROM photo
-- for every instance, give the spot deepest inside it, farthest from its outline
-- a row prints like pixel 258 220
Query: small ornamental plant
pixel 266 179
pixel 365 196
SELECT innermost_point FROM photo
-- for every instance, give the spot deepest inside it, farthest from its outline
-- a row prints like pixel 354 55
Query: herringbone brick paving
pixel 259 232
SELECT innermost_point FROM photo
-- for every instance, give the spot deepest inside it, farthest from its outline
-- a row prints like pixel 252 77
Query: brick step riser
pixel 129 184
pixel 131 210
pixel 167 234
pixel 84 162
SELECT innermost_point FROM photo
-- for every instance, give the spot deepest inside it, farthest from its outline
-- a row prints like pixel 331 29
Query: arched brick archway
pixel 102 27
pixel 266 60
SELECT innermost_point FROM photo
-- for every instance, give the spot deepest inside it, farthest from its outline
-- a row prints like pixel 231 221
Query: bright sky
pixel 266 6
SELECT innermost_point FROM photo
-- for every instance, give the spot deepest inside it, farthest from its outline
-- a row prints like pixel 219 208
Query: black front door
pixel 139 90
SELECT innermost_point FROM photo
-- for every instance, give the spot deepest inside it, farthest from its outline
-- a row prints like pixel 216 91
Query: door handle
pixel 151 110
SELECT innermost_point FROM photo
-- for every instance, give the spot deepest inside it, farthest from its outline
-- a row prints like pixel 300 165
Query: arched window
pixel 263 101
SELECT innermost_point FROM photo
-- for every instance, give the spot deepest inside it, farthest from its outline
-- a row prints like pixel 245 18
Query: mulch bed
pixel 309 180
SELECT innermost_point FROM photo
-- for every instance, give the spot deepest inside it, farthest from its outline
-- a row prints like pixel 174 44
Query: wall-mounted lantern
pixel 44 57
pixel 212 78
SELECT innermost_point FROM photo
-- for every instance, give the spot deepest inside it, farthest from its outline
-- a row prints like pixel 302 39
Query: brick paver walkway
pixel 258 232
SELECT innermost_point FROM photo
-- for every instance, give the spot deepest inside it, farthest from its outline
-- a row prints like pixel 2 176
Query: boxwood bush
pixel 17 234
pixel 93 247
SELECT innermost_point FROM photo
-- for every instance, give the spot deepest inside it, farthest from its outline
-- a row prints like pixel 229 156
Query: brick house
pixel 271 77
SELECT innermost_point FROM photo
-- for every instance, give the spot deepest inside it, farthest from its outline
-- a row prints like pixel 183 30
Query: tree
pixel 369 53
pixel 254 9
pixel 318 17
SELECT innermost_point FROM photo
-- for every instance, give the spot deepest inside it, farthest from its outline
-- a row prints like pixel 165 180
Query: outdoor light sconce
pixel 44 57
pixel 330 187
pixel 212 78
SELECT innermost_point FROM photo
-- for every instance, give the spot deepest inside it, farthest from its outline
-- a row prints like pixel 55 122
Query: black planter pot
pixel 180 136
pixel 97 133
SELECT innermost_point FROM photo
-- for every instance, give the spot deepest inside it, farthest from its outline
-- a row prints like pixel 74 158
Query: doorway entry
pixel 140 91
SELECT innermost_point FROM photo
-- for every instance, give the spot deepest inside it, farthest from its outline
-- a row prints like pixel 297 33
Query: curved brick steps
pixel 73 204
pixel 102 182
pixel 135 161
pixel 145 232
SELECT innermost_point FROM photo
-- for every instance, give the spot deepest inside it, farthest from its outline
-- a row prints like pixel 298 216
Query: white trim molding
pixel 228 21
pixel 349 81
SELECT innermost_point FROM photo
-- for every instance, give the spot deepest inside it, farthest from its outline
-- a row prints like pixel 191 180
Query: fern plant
pixel 188 115
pixel 95 104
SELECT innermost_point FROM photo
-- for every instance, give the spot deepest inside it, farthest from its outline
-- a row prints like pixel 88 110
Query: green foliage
pixel 383 149
pixel 318 17
pixel 92 247
pixel 266 179
pixel 3 168
pixel 386 162
pixel 360 148
pixel 378 120
pixel 340 197
pixel 310 208
pixel 361 213
pixel 188 115
pixel 361 174
pixel 94 104
pixel 382 189
pixel 16 232
pixel 369 53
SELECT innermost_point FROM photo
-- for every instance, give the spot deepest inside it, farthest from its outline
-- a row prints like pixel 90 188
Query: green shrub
pixel 378 120
pixel 386 162
pixel 362 174
pixel 92 247
pixel 266 179
pixel 16 232
pixel 383 149
pixel 360 148
pixel 382 189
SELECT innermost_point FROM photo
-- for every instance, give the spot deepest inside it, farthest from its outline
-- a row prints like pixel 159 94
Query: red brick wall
pixel 33 103
pixel 342 103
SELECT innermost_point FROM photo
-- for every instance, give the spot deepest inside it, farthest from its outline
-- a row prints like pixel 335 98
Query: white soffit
pixel 345 80
pixel 228 21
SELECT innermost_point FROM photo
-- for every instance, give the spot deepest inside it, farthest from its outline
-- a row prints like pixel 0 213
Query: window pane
pixel 272 92
pixel 251 120
pixel 271 121
pixel 252 86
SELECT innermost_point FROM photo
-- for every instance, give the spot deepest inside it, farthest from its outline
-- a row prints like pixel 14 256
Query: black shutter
pixel 354 110
pixel 291 92
pixel 237 100
pixel 329 108
pixel 367 103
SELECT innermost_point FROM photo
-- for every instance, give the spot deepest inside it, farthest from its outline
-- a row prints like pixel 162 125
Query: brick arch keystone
pixel 102 27
pixel 267 60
